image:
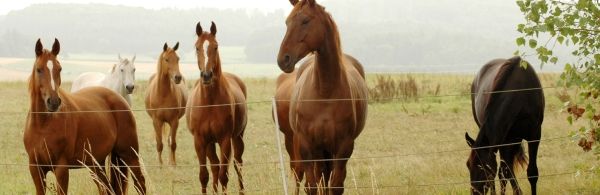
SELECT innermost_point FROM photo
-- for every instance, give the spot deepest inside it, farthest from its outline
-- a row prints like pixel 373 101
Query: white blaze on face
pixel 51 68
pixel 205 52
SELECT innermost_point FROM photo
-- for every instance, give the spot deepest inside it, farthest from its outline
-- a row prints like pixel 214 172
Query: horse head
pixel 169 63
pixel 207 52
pixel 306 29
pixel 482 167
pixel 45 78
pixel 125 71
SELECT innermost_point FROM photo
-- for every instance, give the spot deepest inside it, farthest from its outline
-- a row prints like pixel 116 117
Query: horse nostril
pixel 287 58
pixel 130 87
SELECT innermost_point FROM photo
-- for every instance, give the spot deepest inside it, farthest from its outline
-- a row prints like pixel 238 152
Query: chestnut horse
pixel 326 128
pixel 223 124
pixel 165 99
pixel 58 136
pixel 504 118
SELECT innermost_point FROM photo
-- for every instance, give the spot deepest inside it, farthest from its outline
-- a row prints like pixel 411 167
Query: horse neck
pixel 218 88
pixel 329 71
pixel 115 82
pixel 162 78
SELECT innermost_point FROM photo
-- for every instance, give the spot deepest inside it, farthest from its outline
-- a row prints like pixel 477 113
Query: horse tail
pixel 520 159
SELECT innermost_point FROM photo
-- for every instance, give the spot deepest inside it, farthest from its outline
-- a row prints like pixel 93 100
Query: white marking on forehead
pixel 51 68
pixel 205 47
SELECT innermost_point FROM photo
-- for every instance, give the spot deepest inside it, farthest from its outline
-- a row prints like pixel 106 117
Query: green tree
pixel 574 24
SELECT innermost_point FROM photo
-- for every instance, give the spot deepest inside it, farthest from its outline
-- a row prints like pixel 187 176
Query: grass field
pixel 406 134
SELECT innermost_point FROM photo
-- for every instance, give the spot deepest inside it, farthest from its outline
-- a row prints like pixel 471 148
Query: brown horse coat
pixel 216 114
pixel 66 136
pixel 328 104
pixel 166 90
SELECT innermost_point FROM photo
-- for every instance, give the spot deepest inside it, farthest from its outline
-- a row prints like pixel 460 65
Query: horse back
pixel 87 79
pixel 502 75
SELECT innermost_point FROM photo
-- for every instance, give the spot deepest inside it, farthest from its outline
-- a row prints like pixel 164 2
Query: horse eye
pixel 122 70
pixel 134 70
pixel 38 70
pixel 166 60
pixel 305 21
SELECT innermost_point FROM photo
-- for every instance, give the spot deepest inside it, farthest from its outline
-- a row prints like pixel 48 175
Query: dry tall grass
pixel 418 146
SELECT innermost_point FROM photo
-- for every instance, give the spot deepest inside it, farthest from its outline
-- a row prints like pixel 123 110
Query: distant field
pixel 406 139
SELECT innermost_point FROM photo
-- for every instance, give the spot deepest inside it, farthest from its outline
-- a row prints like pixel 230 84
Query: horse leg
pixel 158 129
pixel 101 179
pixel 238 151
pixel 118 177
pixel 62 179
pixel 296 166
pixel 532 169
pixel 132 162
pixel 326 170
pixel 344 151
pixel 38 174
pixel 507 155
pixel 200 146
pixel 225 146
pixel 173 141
pixel 305 153
pixel 211 151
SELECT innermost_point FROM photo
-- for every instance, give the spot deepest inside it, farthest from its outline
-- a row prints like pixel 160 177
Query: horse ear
pixel 55 47
pixel 311 2
pixel 176 46
pixel 165 47
pixel 39 48
pixel 133 59
pixel 198 29
pixel 120 58
pixel 213 29
pixel 470 140
pixel 293 2
pixel 114 66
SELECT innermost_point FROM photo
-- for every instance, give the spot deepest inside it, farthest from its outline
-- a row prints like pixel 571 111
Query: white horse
pixel 120 78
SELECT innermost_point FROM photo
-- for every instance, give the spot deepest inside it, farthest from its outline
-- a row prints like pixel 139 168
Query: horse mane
pixel 333 31
pixel 504 72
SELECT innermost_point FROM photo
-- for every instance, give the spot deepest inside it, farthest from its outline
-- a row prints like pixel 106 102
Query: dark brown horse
pixel 503 118
pixel 166 90
pixel 59 136
pixel 210 125
pixel 324 129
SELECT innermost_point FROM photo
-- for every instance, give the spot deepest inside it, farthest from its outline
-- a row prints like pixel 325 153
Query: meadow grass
pixel 410 136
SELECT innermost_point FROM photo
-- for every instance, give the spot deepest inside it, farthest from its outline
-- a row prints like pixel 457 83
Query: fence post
pixel 281 164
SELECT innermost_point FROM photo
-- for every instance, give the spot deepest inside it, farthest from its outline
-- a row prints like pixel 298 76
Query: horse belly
pixel 98 134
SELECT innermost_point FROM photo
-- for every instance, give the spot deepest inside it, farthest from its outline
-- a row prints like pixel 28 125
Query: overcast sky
pixel 264 5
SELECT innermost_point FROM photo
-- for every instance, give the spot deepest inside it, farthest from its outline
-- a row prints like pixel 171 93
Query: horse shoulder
pixel 236 82
pixel 348 59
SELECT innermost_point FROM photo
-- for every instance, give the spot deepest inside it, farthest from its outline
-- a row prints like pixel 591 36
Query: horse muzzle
pixel 129 89
pixel 53 103
pixel 206 77
pixel 177 79
pixel 286 63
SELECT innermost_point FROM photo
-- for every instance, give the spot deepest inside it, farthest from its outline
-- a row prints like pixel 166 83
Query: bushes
pixel 386 89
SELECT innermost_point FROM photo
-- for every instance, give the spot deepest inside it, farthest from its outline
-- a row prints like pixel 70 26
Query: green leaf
pixel 597 58
pixel 520 41
pixel 560 39
pixel 553 60
pixel 570 120
pixel 532 43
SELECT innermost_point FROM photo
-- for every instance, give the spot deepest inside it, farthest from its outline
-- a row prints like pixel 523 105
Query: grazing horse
pixel 165 99
pixel 328 104
pixel 503 118
pixel 59 136
pixel 121 79
pixel 223 124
